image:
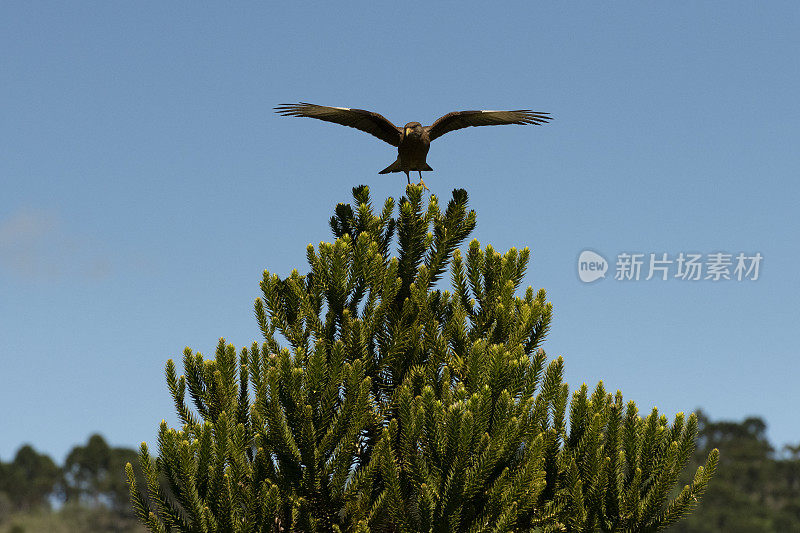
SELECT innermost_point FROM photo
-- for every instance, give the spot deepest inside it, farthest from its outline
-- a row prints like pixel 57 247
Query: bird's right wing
pixel 367 121
pixel 464 119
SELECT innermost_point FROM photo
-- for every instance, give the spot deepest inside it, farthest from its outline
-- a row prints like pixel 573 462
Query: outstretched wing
pixel 367 121
pixel 463 119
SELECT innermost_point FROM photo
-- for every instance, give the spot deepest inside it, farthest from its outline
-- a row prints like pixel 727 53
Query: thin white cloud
pixel 24 226
pixel 35 245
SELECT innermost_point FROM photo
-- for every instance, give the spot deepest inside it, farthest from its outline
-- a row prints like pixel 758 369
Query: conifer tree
pixel 379 401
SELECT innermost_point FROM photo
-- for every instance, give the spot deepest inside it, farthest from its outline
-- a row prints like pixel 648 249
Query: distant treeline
pixel 89 490
pixel 756 487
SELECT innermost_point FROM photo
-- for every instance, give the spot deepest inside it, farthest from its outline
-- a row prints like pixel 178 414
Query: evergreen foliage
pixel 380 402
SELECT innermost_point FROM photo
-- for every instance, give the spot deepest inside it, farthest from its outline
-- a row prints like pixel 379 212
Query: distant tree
pixel 29 480
pixel 94 474
pixel 755 490
pixel 380 402
pixel 6 506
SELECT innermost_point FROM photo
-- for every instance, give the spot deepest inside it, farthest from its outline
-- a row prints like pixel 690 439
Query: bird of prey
pixel 413 140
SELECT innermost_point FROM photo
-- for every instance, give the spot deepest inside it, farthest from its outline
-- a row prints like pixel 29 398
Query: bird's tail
pixel 395 167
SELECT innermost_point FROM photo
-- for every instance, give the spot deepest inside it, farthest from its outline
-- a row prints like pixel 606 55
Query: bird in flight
pixel 412 140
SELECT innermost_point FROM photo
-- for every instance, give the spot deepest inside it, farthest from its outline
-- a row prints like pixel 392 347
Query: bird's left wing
pixel 463 119
pixel 367 121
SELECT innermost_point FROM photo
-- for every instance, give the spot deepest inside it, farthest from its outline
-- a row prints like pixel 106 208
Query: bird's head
pixel 412 129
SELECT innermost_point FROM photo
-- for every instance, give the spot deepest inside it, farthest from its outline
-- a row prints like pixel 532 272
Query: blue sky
pixel 146 184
